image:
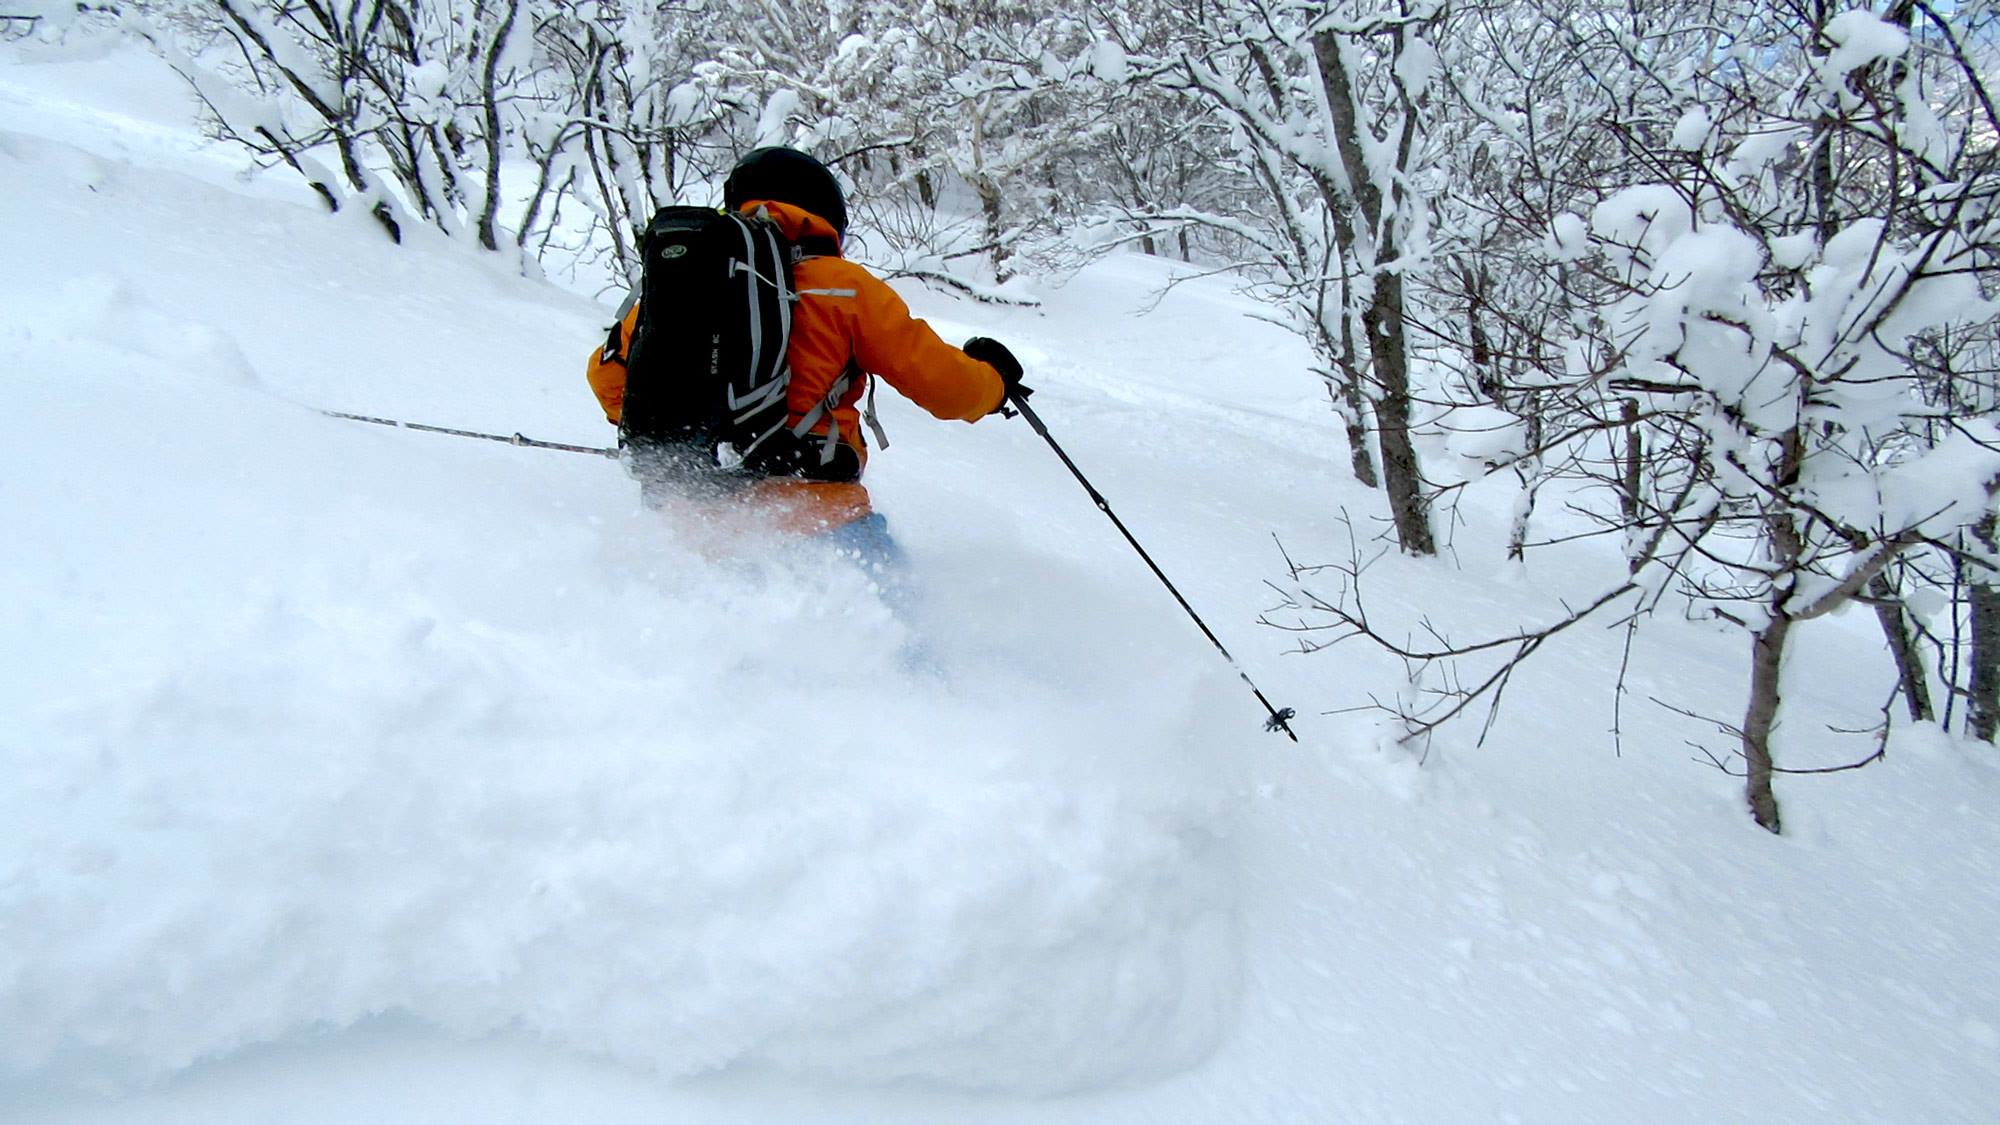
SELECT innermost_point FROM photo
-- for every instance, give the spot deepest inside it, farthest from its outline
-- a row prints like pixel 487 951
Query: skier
pixel 846 323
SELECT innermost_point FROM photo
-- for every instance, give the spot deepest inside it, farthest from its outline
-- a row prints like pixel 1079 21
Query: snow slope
pixel 364 772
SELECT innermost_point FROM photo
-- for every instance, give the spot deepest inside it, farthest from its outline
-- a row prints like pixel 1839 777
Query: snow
pixel 359 773
pixel 1417 66
pixel 1945 488
pixel 1861 37
pixel 1691 131
pixel 430 79
pixel 1109 62
pixel 1763 147
pixel 774 123
pixel 1792 251
pixel 1568 237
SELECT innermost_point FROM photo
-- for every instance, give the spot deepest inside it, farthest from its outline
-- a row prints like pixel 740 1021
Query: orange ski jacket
pixel 844 316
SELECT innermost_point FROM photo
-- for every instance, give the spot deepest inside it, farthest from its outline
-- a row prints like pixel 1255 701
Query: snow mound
pixel 386 810
pixel 331 809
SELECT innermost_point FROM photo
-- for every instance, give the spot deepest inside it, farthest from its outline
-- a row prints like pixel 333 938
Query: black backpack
pixel 706 378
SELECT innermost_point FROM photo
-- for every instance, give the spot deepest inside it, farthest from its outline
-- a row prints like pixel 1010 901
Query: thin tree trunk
pixel 1629 495
pixel 1983 593
pixel 989 205
pixel 288 151
pixel 1767 650
pixel 1401 477
pixel 1388 345
pixel 1531 475
pixel 596 152
pixel 1761 719
pixel 988 191
pixel 489 211
pixel 1902 646
pixel 1354 415
pixel 1524 511
pixel 544 176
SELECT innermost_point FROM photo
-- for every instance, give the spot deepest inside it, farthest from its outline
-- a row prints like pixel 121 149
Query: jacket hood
pixel 797 222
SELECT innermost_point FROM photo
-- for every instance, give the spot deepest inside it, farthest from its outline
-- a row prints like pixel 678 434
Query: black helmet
pixel 786 175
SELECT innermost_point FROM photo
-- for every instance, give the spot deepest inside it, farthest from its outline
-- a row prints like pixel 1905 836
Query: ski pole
pixel 517 439
pixel 1280 719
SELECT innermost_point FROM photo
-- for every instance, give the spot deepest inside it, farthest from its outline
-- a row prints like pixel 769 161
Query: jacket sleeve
pixel 607 364
pixel 889 342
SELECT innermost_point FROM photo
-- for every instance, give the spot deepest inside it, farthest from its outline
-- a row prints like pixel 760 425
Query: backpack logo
pixel 669 253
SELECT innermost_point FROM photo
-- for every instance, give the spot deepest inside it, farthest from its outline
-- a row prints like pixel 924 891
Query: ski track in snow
pixel 402 777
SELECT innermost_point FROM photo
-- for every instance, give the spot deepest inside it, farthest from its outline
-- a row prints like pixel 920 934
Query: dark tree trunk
pixel 1524 513
pixel 1401 477
pixel 1355 418
pixel 1983 592
pixel 1761 719
pixel 1388 347
pixel 1767 649
pixel 1635 451
pixel 1902 646
pixel 489 211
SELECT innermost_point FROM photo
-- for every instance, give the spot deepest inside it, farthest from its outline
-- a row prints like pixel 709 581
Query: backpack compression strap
pixel 769 395
pixel 765 396
pixel 824 409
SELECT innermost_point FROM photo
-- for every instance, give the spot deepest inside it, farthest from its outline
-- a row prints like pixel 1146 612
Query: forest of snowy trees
pixel 1713 276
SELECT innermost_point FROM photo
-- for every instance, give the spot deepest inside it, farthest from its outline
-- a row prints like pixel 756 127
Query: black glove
pixel 994 353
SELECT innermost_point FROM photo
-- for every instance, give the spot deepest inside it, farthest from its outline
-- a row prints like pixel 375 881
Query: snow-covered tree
pixel 1824 203
pixel 1327 107
pixel 1793 208
pixel 983 115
